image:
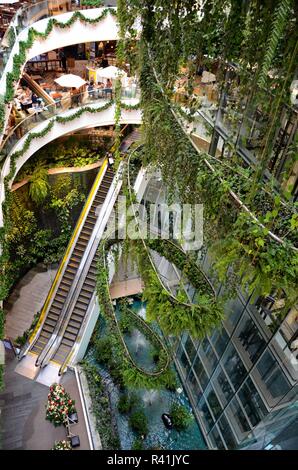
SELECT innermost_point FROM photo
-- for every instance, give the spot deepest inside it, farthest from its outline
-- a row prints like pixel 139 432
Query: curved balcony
pixel 54 121
pixel 31 38
pixel 98 24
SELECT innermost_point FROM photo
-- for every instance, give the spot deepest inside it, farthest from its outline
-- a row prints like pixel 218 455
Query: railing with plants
pixel 19 59
pixel 6 282
pixel 105 300
pixel 127 97
pixel 23 18
pixel 106 304
pixel 247 229
pixel 174 313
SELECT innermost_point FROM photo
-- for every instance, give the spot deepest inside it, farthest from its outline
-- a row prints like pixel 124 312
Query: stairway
pixel 134 136
pixel 69 275
pixel 82 303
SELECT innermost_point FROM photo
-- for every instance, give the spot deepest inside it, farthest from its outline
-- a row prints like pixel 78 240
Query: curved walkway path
pixel 26 300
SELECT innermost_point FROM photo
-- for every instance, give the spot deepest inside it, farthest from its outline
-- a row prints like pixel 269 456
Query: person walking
pixel 63 59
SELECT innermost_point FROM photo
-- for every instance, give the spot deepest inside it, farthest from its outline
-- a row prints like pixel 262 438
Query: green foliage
pixel 101 408
pixel 39 186
pixel 181 417
pixel 127 402
pixel 277 30
pixel 92 3
pixel 139 423
pixel 120 363
pixel 21 340
pixel 138 444
pixel 2 113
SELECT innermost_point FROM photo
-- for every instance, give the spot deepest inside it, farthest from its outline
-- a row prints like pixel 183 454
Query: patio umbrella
pixel 110 72
pixel 70 81
pixel 5 2
pixel 208 77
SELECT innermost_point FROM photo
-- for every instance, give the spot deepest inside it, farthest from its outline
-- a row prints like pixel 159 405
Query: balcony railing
pixel 23 18
pixel 129 95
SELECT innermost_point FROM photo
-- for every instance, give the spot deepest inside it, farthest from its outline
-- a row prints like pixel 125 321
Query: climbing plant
pixel 259 241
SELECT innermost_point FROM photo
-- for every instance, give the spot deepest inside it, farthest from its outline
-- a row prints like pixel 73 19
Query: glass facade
pixel 235 376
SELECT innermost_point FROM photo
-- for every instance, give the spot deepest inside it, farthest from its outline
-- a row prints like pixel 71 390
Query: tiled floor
pixel 22 419
pixel 26 300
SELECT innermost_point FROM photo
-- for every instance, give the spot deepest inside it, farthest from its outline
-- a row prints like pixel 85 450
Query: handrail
pixel 74 298
pixel 83 99
pixel 41 357
pixel 232 193
pixel 70 246
pixel 127 353
pixel 176 300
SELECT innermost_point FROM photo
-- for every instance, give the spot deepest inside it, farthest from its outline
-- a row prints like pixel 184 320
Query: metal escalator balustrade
pixel 73 330
pixel 56 300
pixel 81 305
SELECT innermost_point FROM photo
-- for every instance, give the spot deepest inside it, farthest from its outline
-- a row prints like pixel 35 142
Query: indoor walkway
pixel 26 300
pixel 22 420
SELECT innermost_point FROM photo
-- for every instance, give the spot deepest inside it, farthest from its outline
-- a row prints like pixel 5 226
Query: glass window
pixel 249 339
pixel 206 415
pixel 213 402
pixel 234 367
pixel 194 386
pixel 252 402
pixel 190 349
pixel 233 309
pixel 222 385
pixel 226 432
pixel 274 379
pixel 208 356
pixel 200 372
pixel 184 362
pixel 219 340
pixel 216 439
pixel 238 419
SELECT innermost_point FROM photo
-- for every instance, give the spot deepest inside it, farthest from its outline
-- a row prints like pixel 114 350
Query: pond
pixel 153 402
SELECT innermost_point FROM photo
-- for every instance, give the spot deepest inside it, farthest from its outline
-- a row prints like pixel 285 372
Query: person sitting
pixel 108 88
pixel 90 89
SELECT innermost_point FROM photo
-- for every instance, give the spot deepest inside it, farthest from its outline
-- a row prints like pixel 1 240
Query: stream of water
pixel 153 402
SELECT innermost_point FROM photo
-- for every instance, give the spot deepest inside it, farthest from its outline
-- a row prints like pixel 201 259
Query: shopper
pixel 63 59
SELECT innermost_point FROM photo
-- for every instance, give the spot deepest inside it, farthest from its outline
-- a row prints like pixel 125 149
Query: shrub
pixel 126 403
pixel 62 445
pixel 139 423
pixel 138 444
pixel 103 348
pixel 181 417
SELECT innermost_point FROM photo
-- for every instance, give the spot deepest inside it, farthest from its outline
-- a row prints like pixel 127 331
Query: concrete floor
pixel 23 410
pixel 26 300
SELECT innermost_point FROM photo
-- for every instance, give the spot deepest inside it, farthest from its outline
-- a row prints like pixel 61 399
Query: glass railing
pixel 23 18
pixel 129 95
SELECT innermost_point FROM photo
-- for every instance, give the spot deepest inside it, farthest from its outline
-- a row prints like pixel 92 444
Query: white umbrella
pixel 208 77
pixel 8 1
pixel 110 72
pixel 71 81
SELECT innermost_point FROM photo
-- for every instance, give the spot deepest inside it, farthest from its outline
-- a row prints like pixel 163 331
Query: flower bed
pixel 59 405
pixel 62 445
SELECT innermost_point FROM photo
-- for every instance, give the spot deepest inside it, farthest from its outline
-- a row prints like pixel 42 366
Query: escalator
pixel 66 285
